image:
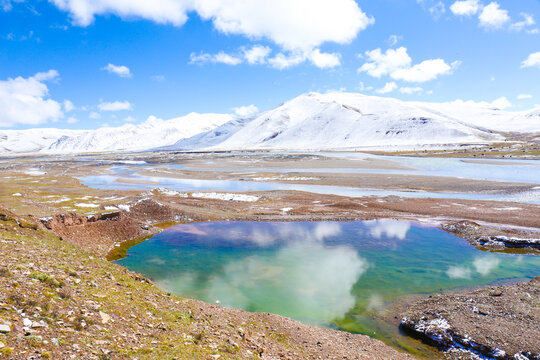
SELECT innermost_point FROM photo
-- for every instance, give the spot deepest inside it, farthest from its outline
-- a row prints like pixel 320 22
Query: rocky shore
pixel 498 322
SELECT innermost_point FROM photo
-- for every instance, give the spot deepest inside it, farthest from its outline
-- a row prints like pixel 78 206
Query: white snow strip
pixel 17 194
pixel 225 196
pixel 83 205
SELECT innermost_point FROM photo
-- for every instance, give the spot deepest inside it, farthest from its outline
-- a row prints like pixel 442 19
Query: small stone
pixel 36 325
pixel 105 318
pixel 27 322
pixel 2 345
pixel 495 293
pixel 4 329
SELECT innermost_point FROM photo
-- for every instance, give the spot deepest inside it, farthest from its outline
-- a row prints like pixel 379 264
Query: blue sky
pixel 87 63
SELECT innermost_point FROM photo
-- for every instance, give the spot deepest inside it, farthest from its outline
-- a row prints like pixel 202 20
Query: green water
pixel 335 274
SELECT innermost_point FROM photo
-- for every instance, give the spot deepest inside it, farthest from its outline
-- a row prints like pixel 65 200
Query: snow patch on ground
pixel 84 205
pixel 225 196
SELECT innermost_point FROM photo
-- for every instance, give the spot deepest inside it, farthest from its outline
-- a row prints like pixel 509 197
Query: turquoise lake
pixel 335 274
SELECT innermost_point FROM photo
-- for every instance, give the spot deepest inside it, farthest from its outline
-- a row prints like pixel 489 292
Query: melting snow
pixel 225 196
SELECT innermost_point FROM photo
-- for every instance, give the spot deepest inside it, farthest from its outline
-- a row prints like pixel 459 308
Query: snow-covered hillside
pixel 30 141
pixel 345 120
pixel 309 121
pixel 150 134
pixel 209 138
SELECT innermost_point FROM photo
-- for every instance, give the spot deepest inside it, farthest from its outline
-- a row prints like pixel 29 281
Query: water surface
pixel 335 274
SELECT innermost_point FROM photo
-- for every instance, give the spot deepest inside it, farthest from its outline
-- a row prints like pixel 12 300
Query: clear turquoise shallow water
pixel 335 274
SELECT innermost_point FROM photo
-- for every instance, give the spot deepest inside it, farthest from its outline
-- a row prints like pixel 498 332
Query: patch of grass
pixel 4 272
pixel 47 279
pixel 6 351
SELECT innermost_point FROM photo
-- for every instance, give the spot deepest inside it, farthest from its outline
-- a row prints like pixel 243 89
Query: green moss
pixel 47 279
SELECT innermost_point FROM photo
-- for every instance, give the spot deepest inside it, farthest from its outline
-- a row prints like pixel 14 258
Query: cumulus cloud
pixel 533 60
pixel 72 120
pixel 257 54
pixel 302 24
pixel 68 106
pixel 393 40
pixel 437 10
pixel 459 272
pixel 324 60
pixel 387 88
pixel 390 228
pixel 465 7
pixel 524 96
pixel 398 65
pixel 500 103
pixel 425 71
pixel 410 90
pixel 120 70
pixel 528 20
pixel 246 111
pixel 493 17
pixel 115 106
pixel 485 265
pixel 25 100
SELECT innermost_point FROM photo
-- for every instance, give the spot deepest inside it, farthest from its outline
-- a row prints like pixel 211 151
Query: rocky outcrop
pixel 492 323
pixel 494 238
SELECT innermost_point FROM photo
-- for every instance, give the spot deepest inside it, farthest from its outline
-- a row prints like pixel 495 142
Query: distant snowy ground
pixel 308 122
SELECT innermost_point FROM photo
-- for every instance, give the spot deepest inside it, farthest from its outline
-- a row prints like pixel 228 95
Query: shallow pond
pixel 335 274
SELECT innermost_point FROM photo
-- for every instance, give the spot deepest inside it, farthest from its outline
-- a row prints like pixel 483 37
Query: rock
pixel 105 318
pixel 495 293
pixel 2 345
pixel 27 322
pixel 4 329
pixel 36 325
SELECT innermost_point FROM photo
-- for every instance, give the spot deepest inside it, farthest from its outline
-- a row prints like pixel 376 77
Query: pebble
pixel 4 329
pixel 2 345
pixel 27 322
pixel 105 318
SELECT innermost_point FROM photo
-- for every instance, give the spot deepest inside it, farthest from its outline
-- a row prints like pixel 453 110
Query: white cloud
pixel 524 96
pixel 324 60
pixel 68 106
pixel 25 100
pixel 393 40
pixel 465 7
pixel 219 58
pixel 492 16
pixel 380 64
pixel 458 272
pixel 282 61
pixel 437 10
pixel 363 87
pixel 120 70
pixel 300 24
pixel 528 20
pixel 130 119
pixel 501 103
pixel 224 58
pixel 257 54
pixel 425 71
pixel 388 227
pixel 484 265
pixel 94 115
pixel 387 88
pixel 246 111
pixel 410 90
pixel 398 64
pixel 72 120
pixel 533 60
pixel 115 106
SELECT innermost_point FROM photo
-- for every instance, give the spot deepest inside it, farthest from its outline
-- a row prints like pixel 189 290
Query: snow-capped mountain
pixel 345 120
pixel 30 141
pixel 150 134
pixel 209 138
pixel 309 121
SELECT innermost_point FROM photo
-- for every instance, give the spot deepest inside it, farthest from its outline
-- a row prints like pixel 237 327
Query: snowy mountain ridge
pixel 310 121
